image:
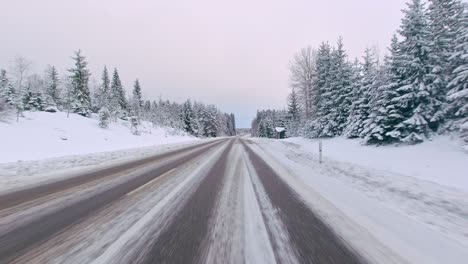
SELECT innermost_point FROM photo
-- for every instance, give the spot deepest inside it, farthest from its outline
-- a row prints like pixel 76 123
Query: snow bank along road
pixel 214 202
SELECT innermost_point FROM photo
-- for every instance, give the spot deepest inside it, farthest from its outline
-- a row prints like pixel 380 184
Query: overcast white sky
pixel 234 54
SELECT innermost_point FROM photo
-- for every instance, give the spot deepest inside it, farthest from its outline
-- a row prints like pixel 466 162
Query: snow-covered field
pixel 441 160
pixel 43 146
pixel 41 135
pixel 412 200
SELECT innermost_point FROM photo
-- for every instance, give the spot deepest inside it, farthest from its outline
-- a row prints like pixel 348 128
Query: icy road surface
pixel 229 200
pixel 213 202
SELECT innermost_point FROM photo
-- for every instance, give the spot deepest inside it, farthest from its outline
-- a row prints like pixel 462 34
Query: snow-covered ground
pixel 41 135
pixel 441 160
pixel 412 200
pixel 44 146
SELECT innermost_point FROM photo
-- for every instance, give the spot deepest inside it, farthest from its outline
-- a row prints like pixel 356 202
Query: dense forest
pixel 75 93
pixel 419 89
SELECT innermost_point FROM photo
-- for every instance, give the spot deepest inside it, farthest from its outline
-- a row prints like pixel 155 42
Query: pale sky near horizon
pixel 234 54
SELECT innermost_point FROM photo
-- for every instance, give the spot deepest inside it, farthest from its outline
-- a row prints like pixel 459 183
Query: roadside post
pixel 320 151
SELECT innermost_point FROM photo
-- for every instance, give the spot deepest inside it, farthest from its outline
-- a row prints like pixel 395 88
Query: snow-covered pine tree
pixel 79 78
pixel 341 86
pixel 188 118
pixel 384 114
pixel 210 119
pixel 147 114
pixel 458 87
pixel 335 99
pixel 233 125
pixel 104 117
pixel 293 106
pixel 353 125
pixel 33 97
pixel 104 93
pixel 52 90
pixel 293 119
pixel 444 17
pixel 118 102
pixel 414 101
pixel 137 100
pixel 322 82
pixel 364 95
pixel 7 92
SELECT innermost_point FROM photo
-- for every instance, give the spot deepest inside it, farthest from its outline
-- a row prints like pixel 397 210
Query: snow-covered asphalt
pixel 215 202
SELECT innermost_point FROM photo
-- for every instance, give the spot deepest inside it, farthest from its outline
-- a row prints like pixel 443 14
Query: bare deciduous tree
pixel 302 74
pixel 20 71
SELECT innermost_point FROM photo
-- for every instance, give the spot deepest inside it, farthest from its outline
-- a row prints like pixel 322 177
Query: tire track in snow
pixel 86 241
pixel 238 233
pixel 312 240
pixel 18 241
pixel 279 239
pixel 185 239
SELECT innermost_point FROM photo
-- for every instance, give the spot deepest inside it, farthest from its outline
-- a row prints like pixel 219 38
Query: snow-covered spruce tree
pixel 118 102
pixel 356 96
pixel 335 98
pixel 79 79
pixel 104 117
pixel 137 100
pixel 188 118
pixel 293 106
pixel 414 101
pixel 444 18
pixel 147 114
pixel 458 87
pixel 363 93
pixel 315 127
pixel 232 125
pixel 52 90
pixel 104 94
pixel 33 97
pixel 198 109
pixel 384 114
pixel 7 92
pixel 293 119
pixel 341 86
pixel 210 121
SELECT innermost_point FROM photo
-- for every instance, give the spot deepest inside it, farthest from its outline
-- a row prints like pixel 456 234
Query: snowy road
pixel 215 202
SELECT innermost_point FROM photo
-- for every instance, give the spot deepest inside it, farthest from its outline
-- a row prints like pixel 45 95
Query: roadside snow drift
pixel 441 160
pixel 41 135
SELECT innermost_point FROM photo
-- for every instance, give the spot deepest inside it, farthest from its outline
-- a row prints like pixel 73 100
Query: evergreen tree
pixel 384 114
pixel 444 17
pixel 80 80
pixel 341 86
pixel 364 92
pixel 293 106
pixel 233 125
pixel 118 102
pixel 104 94
pixel 335 96
pixel 188 118
pixel 322 82
pixel 137 100
pixel 458 93
pixel 52 89
pixel 414 102
pixel 7 92
pixel 353 125
pixel 104 117
pixel 293 123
